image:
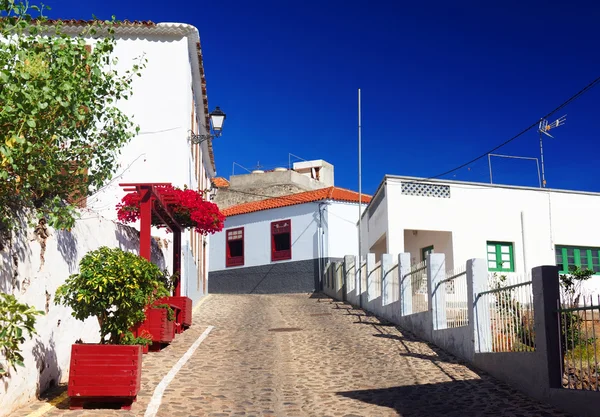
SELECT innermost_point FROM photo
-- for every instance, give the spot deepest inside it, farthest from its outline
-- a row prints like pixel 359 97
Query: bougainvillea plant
pixel 189 209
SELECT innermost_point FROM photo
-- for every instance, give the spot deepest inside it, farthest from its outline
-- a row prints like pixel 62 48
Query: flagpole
pixel 358 268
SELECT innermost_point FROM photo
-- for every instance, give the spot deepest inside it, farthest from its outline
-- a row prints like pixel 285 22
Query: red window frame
pixel 234 235
pixel 277 228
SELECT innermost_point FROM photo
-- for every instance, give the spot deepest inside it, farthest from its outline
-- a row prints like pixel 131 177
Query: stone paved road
pixel 301 355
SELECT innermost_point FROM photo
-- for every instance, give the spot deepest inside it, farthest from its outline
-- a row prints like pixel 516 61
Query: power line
pixel 522 132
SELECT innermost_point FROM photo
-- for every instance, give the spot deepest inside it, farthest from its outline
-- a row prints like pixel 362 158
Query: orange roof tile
pixel 220 182
pixel 329 193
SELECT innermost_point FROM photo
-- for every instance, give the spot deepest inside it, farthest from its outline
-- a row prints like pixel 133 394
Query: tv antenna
pixel 543 129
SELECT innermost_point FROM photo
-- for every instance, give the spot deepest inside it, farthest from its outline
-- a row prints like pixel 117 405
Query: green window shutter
pixel 575 256
pixel 500 256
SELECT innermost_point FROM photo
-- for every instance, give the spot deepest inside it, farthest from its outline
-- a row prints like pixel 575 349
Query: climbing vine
pixel 60 128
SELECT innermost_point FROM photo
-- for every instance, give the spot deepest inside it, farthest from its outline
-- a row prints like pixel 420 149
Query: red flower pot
pixel 157 324
pixel 184 318
pixel 104 374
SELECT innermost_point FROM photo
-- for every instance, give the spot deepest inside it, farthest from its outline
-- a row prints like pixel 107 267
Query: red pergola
pixel 157 201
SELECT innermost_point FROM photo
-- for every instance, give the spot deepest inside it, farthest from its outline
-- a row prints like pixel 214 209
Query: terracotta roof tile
pixel 329 193
pixel 220 182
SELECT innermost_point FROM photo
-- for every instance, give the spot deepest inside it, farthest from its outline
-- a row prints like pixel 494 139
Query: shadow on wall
pixel 47 365
pixel 13 251
pixel 129 240
pixel 67 246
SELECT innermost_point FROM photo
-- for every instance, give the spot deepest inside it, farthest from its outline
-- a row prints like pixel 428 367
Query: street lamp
pixel 217 118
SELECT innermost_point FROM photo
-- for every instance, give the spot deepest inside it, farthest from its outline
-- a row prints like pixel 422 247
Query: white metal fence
pixel 418 280
pixel 579 343
pixel 456 297
pixel 509 303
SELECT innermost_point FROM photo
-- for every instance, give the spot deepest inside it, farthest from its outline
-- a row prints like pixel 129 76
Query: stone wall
pixel 227 197
pixel 274 278
pixel 32 274
pixel 255 187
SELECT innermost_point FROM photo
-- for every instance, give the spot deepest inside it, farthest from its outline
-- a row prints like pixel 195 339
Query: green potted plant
pixel 191 210
pixel 115 287
pixel 16 319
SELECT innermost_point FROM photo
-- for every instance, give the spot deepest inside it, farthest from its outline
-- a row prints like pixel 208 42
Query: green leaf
pixel 31 123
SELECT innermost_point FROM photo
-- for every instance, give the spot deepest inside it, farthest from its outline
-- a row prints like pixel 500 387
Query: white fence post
pixel 436 289
pixel 349 273
pixel 479 311
pixel 370 277
pixel 405 284
pixel 359 278
pixel 339 278
pixel 387 261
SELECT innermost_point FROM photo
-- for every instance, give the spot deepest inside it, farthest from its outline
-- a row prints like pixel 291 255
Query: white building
pixel 514 228
pixel 169 100
pixel 282 244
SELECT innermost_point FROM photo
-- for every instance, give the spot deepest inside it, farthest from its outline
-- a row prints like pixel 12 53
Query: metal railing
pixel 418 280
pixel 579 344
pixel 510 302
pixel 393 284
pixel 456 297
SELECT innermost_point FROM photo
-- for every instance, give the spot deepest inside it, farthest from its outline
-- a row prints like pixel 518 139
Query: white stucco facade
pixel 22 274
pixel 331 233
pixel 168 101
pixel 459 219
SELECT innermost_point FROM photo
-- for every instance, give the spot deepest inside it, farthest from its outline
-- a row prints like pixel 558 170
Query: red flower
pixel 189 209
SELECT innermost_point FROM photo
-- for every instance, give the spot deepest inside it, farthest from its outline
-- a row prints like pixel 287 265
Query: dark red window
pixel 281 240
pixel 235 247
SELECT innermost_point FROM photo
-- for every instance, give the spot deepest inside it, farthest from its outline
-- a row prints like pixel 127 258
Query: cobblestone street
pixel 301 355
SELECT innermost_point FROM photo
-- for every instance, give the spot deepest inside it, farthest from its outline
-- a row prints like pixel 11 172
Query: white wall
pixel 257 235
pixel 479 213
pixel 441 242
pixel 342 230
pixel 47 355
pixel 162 105
pixel 374 221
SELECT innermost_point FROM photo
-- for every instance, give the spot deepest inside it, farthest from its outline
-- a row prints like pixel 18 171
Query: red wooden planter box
pixel 104 373
pixel 185 306
pixel 161 329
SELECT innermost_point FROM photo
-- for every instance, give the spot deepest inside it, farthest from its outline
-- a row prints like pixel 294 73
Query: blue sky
pixel 442 82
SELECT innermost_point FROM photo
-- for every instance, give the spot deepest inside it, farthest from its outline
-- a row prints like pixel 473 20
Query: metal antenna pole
pixel 358 261
pixel 542 161
pixel 490 166
pixel 543 129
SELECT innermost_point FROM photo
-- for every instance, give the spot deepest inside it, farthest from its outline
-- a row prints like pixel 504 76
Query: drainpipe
pixel 320 244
